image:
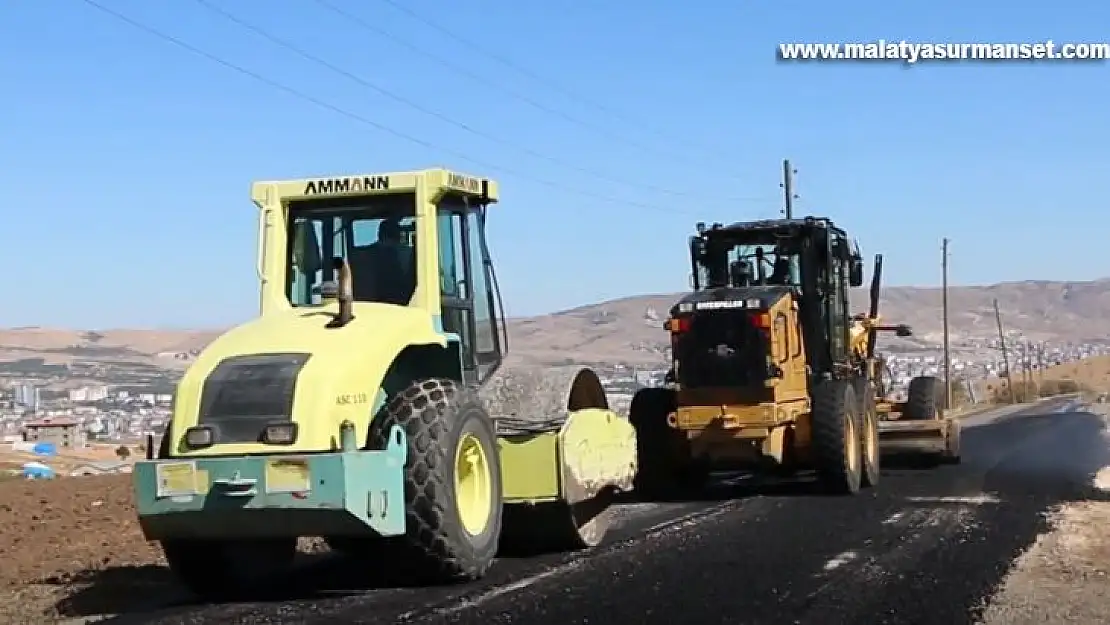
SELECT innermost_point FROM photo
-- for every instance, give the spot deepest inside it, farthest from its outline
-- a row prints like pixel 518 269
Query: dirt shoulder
pixel 71 546
pixel 1065 576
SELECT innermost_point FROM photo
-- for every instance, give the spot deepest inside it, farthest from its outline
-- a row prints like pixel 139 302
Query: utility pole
pixel 1040 361
pixel 1005 355
pixel 944 317
pixel 1026 376
pixel 788 189
pixel 1029 350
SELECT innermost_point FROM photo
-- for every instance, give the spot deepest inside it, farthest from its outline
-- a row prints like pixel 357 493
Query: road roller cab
pixel 374 401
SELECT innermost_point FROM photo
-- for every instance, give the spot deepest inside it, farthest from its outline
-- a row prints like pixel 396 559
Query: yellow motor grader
pixel 374 402
pixel 763 373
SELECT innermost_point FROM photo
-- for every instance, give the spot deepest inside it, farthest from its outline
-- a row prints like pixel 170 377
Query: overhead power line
pixel 364 82
pixel 604 130
pixel 366 121
pixel 550 84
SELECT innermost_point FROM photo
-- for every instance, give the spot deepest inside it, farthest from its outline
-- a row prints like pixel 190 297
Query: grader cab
pixel 763 376
pixel 374 402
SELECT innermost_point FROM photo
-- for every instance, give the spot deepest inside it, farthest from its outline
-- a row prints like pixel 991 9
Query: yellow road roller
pixel 374 402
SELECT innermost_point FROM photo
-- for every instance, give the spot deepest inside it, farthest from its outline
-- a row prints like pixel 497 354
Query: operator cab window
pixel 762 265
pixel 375 234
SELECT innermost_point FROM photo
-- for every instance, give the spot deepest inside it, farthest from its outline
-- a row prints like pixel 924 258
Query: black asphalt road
pixel 925 547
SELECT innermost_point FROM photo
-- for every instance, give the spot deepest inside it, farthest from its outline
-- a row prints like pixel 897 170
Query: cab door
pixel 470 301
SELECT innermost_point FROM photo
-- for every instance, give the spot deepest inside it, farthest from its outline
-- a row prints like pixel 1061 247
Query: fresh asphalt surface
pixel 924 547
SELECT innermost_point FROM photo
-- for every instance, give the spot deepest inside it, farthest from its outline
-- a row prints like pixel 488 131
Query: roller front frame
pixel 346 493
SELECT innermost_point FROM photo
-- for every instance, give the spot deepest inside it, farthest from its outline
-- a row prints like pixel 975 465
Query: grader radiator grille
pixel 721 348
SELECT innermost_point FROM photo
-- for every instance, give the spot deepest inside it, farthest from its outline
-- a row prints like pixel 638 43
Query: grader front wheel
pixel 452 480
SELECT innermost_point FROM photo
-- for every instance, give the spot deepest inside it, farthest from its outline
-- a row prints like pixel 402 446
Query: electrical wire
pixel 282 43
pixel 601 129
pixel 507 62
pixel 366 121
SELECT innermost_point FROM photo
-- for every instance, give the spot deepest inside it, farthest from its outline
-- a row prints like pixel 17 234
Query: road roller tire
pixel 453 492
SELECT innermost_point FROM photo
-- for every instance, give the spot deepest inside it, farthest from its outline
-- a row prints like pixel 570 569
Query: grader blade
pixel 906 437
pixel 918 427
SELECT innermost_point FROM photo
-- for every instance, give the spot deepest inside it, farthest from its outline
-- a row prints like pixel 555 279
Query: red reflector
pixel 761 320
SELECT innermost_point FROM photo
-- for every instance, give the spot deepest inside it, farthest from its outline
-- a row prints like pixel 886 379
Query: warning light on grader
pixel 678 325
pixel 762 320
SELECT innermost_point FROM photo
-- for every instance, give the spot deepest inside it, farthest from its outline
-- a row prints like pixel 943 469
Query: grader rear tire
pixel 664 468
pixel 453 487
pixel 836 437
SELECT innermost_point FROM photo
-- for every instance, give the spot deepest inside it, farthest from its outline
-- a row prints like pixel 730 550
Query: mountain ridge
pixel 628 329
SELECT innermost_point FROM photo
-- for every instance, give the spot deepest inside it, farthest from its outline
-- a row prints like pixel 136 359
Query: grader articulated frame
pixel 374 402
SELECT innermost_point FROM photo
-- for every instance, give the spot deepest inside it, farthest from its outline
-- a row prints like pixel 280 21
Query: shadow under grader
pixel 909 462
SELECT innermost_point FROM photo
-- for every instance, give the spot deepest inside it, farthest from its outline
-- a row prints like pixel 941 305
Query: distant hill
pixel 629 329
pixel 62 345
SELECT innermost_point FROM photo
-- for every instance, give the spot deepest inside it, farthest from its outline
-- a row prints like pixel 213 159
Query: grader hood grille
pixel 245 393
pixel 721 348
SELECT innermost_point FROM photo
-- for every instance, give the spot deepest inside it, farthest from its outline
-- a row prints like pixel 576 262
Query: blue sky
pixel 126 161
